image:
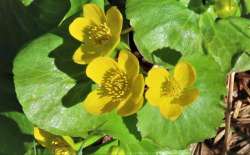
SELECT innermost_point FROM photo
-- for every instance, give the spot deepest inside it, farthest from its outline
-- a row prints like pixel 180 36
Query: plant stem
pixel 229 101
pixel 125 31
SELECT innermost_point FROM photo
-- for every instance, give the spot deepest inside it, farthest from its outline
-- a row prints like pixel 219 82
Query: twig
pixel 228 110
pixel 125 31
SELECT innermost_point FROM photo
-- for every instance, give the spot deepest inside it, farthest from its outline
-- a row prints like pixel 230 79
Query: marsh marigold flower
pixel 99 33
pixel 171 93
pixel 120 86
pixel 55 143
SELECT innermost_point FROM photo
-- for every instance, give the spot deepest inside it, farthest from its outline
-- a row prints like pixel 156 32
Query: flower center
pixel 114 84
pixel 99 33
pixel 171 88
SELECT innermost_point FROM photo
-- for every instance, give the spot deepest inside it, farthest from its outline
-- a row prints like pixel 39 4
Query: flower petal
pixel 153 96
pixel 81 56
pixel 128 63
pixel 156 76
pixel 131 107
pixel 94 13
pixel 170 111
pixel 184 74
pixel 98 67
pixel 187 97
pixel 114 21
pixel 135 100
pixel 44 138
pixel 78 26
pixel 97 104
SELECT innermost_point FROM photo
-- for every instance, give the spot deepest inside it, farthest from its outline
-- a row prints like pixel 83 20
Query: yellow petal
pixel 110 45
pixel 114 21
pixel 82 56
pixel 131 107
pixel 64 150
pixel 170 111
pixel 78 26
pixel 184 74
pixel 43 138
pixel 153 96
pixel 156 76
pixel 97 104
pixel 98 67
pixel 187 97
pixel 128 63
pixel 94 13
pixel 135 100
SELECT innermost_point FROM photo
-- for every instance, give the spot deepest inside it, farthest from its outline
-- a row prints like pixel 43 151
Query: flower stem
pixel 127 30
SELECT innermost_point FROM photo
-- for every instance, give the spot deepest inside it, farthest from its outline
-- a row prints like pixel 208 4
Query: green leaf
pixel 34 150
pixel 48 14
pixel 174 26
pixel 174 152
pixel 49 96
pixel 246 6
pixel 100 149
pixel 228 38
pixel 242 64
pixel 177 27
pixel 199 120
pixel 14 133
pixel 100 3
pixel 75 7
pixel 153 148
pixel 20 24
pixel 22 122
pixel 26 2
pixel 91 140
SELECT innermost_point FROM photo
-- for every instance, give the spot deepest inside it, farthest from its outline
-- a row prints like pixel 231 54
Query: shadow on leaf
pixel 167 55
pixel 64 62
pixel 130 123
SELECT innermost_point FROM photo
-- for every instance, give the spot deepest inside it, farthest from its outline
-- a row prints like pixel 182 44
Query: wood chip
pixel 244 120
pixel 248 99
pixel 205 150
pixel 244 150
pixel 245 110
pixel 219 136
pixel 237 109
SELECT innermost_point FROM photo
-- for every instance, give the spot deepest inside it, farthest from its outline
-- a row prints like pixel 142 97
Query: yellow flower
pixel 99 33
pixel 55 143
pixel 171 93
pixel 120 86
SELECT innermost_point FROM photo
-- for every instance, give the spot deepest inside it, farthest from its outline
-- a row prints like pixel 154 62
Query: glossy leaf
pixel 178 28
pixel 50 98
pixel 174 26
pixel 231 36
pixel 75 7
